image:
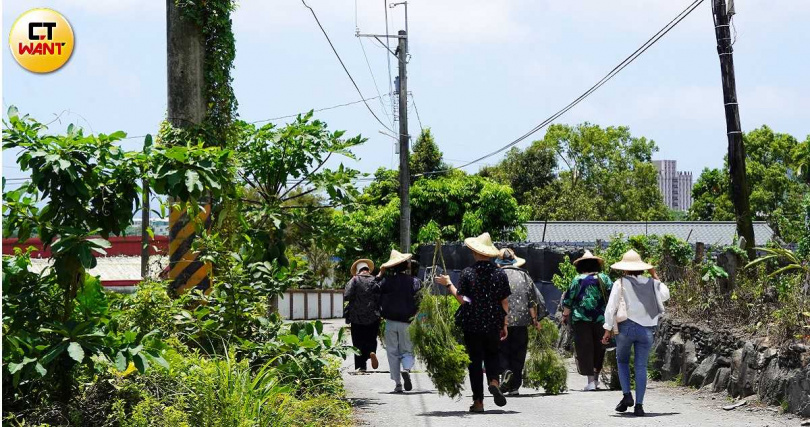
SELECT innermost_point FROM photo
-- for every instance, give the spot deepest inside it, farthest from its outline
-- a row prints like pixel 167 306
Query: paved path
pixel 666 405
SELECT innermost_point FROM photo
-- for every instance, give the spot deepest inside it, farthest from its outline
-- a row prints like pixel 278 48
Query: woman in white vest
pixel 636 303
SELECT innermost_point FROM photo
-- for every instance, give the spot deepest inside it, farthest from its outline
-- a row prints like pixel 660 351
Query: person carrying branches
pixel 482 291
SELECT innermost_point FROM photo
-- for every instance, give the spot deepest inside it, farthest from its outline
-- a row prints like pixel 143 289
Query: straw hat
pixel 396 258
pixel 631 261
pixel 363 262
pixel 482 245
pixel 508 257
pixel 589 255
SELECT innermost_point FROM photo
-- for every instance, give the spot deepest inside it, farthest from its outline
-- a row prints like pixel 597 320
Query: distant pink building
pixel 675 186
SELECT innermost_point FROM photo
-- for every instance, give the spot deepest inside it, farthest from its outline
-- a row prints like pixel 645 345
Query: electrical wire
pixel 388 57
pixel 272 119
pixel 376 87
pixel 622 65
pixel 419 119
pixel 359 92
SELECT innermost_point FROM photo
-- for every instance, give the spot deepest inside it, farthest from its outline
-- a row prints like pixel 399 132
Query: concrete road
pixel 666 405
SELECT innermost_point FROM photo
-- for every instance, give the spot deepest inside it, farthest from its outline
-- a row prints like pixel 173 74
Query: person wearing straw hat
pixel 398 291
pixel 483 292
pixel 524 305
pixel 584 307
pixel 635 304
pixel 363 312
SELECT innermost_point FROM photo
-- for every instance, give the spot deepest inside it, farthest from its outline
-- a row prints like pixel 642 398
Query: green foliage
pixel 605 174
pixel 711 272
pixel 426 156
pixel 288 192
pixel 436 343
pixel 526 170
pixel 544 366
pixel 189 171
pixel 451 206
pixel 776 170
pixel 563 279
pixel 214 18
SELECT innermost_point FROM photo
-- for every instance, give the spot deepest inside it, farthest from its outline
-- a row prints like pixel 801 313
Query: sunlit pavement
pixel 666 405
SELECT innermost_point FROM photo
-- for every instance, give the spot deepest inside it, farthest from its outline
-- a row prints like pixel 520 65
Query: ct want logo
pixel 41 40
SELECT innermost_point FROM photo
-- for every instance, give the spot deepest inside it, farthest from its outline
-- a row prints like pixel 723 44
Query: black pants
pixel 482 347
pixel 513 354
pixel 589 348
pixel 364 337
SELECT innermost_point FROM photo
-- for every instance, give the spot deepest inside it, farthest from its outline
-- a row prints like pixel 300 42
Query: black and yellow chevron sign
pixel 185 271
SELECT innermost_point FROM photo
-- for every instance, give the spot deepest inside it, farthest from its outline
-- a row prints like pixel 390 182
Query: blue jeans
pixel 631 334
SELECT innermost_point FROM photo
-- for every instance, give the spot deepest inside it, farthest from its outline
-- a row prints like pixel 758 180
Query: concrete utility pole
pixel 404 147
pixel 186 108
pixel 736 149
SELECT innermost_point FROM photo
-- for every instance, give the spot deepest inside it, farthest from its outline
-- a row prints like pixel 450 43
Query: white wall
pixel 331 306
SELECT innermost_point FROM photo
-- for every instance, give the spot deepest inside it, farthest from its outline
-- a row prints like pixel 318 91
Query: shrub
pixel 568 272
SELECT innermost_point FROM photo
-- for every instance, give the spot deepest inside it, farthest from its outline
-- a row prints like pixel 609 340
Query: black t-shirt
pixel 398 297
pixel 486 286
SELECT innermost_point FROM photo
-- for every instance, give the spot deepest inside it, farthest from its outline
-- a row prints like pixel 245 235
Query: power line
pixel 419 119
pixel 344 65
pixel 289 116
pixel 319 110
pixel 387 56
pixel 622 65
pixel 374 79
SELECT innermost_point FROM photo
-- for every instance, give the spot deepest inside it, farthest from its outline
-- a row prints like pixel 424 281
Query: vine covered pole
pixel 186 110
pixel 740 192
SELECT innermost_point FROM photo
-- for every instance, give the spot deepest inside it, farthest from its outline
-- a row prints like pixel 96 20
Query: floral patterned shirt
pixel 524 296
pixel 587 298
pixel 485 285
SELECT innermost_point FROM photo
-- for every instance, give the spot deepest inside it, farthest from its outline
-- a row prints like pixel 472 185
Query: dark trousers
pixel 588 346
pixel 482 347
pixel 513 354
pixel 364 337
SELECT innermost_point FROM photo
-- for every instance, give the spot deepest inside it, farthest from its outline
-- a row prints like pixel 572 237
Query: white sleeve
pixel 664 291
pixel 612 306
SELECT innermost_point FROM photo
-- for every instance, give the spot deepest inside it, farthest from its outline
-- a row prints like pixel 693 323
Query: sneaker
pixel 590 387
pixel 506 380
pixel 398 388
pixel 477 406
pixel 406 378
pixel 361 370
pixel 374 362
pixel 595 382
pixel 512 393
pixel 500 400
pixel 639 410
pixel 626 402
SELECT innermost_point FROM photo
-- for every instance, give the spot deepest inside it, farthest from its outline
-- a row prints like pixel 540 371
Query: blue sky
pixel 482 72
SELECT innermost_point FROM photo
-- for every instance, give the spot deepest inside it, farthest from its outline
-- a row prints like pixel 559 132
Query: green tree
pixel 773 163
pixel 450 207
pixel 711 200
pixel 525 170
pixel 426 156
pixel 282 169
pixel 603 174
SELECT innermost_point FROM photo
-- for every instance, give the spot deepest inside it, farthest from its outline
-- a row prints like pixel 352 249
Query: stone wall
pixel 718 360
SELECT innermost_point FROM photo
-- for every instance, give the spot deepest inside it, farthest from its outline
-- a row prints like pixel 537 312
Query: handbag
pixel 621 309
